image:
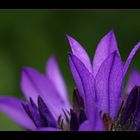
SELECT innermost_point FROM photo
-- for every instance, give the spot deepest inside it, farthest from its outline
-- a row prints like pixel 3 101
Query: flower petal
pixel 34 84
pixel 77 79
pixel 32 111
pixel 134 80
pixel 48 129
pixel 87 82
pixel 80 52
pixel 131 106
pixel 45 112
pixel 29 80
pixel 106 46
pixel 108 83
pixel 130 57
pixel 13 108
pixel 88 126
pixel 54 74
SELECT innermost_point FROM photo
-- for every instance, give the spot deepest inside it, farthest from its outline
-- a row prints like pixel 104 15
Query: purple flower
pixel 98 102
pixel 99 83
pixel 134 79
pixel 46 99
pixel 130 116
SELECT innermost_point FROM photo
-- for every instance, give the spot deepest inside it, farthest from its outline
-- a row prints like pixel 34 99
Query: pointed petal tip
pixel 138 44
pixel 80 52
pixel 51 62
pixel 130 57
pixel 105 47
pixel 52 57
pixel 24 69
pixel 110 33
pixel 71 41
pixel 69 37
pixel 24 72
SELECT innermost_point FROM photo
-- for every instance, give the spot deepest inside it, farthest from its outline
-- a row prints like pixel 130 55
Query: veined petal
pixel 77 78
pixel 34 84
pixel 54 74
pixel 87 81
pixel 80 52
pixel 134 80
pixel 130 57
pixel 13 108
pixel 106 46
pixel 108 83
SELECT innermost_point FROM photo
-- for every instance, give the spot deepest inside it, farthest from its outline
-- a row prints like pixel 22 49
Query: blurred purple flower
pixel 46 99
pixel 101 83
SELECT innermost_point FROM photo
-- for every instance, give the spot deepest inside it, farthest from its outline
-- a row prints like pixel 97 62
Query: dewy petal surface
pixel 134 79
pixel 130 57
pixel 80 52
pixel 109 84
pixel 13 108
pixel 106 46
pixel 87 81
pixel 54 74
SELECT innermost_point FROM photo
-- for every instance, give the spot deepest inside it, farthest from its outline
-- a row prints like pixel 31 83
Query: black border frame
pixel 58 5
pixel 43 135
pixel 70 4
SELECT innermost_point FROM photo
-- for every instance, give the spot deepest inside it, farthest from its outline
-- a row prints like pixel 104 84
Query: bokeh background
pixel 30 37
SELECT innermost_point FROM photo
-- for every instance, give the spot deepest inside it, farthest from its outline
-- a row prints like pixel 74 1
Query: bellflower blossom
pixel 46 99
pixel 98 102
pixel 100 83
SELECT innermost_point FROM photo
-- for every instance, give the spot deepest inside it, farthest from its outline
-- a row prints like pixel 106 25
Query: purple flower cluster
pixel 98 100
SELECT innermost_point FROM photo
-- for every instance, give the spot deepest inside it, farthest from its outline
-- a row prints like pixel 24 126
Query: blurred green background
pixel 30 37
